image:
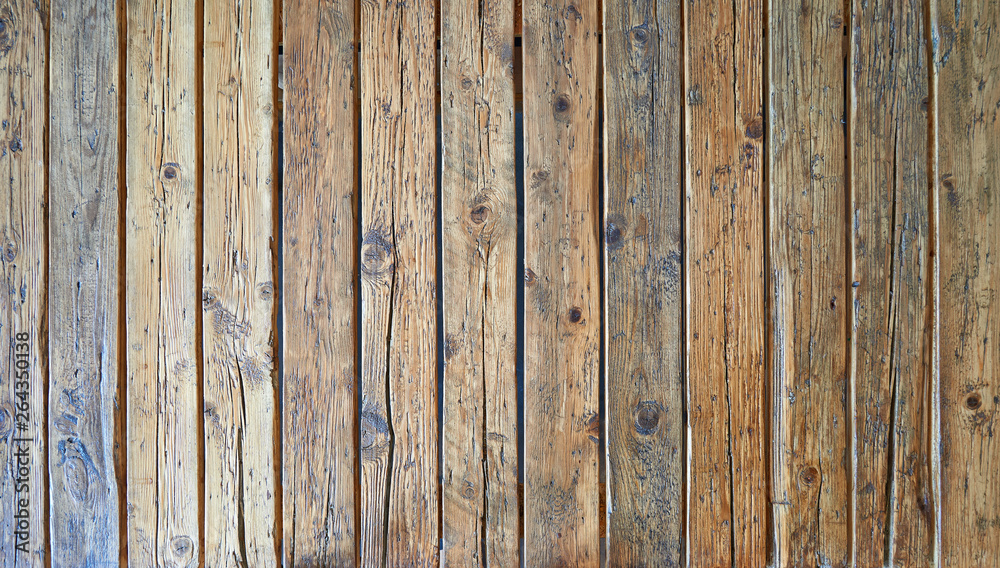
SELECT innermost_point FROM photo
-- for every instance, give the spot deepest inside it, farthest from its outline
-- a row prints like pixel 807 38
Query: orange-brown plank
pixel 892 369
pixel 967 124
pixel 643 288
pixel 562 311
pixel 808 288
pixel 479 212
pixel 319 279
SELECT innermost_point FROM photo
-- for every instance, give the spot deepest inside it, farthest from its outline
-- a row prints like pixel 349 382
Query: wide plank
pixel 23 239
pixel 562 298
pixel 85 426
pixel 319 274
pixel 480 510
pixel 966 64
pixel 891 348
pixel 161 292
pixel 643 282
pixel 808 289
pixel 240 396
pixel 399 336
pixel 727 401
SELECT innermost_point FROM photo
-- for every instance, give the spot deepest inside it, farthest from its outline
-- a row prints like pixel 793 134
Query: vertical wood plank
pixel 642 235
pixel 811 419
pixel 237 288
pixel 23 486
pixel 967 125
pixel 399 427
pixel 83 325
pixel 319 273
pixel 725 239
pixel 161 278
pixel 891 280
pixel 562 319
pixel 479 232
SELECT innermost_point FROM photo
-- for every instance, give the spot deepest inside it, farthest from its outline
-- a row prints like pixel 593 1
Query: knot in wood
pixel 480 214
pixel 647 418
pixel 613 232
pixel 529 277
pixel 809 476
pixel 182 548
pixel 170 171
pixel 640 35
pixel 974 402
pixel 575 314
pixel 374 436
pixel 376 255
pixel 6 422
pixel 561 107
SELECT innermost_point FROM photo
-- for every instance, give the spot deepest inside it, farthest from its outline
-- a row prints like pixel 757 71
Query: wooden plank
pixel 320 268
pixel 240 63
pixel 811 424
pixel 399 427
pixel 643 294
pixel 967 135
pixel 725 285
pixel 891 346
pixel 84 425
pixel 480 510
pixel 24 485
pixel 161 290
pixel 562 314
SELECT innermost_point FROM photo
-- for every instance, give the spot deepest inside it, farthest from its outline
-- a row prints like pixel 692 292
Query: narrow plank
pixel 23 487
pixel 319 269
pixel 480 511
pixel 811 419
pixel 967 127
pixel 643 294
pixel 725 285
pixel 84 425
pixel 399 426
pixel 891 344
pixel 562 313
pixel 161 169
pixel 240 64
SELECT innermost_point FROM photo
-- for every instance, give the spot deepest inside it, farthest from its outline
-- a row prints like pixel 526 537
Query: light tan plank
pixel 161 279
pixel 479 201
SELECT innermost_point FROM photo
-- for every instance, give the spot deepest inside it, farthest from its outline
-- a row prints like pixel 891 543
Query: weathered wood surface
pixel 240 402
pixel 967 134
pixel 891 278
pixel 562 298
pixel 85 426
pixel 807 238
pixel 727 401
pixel 644 290
pixel 161 293
pixel 480 509
pixel 319 278
pixel 399 426
pixel 24 483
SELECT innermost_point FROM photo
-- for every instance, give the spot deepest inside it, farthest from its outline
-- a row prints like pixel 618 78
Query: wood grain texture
pixel 891 350
pixel 240 63
pixel 83 420
pixel 161 295
pixel 399 427
pixel 810 420
pixel 319 276
pixel 727 398
pixel 562 312
pixel 643 293
pixel 967 94
pixel 24 483
pixel 480 512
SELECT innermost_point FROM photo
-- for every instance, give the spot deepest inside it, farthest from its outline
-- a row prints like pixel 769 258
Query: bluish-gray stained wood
pixel 807 284
pixel 85 425
pixel 725 239
pixel 562 297
pixel 320 278
pixel 895 500
pixel 24 364
pixel 643 289
pixel 240 394
pixel 966 62
pixel 479 506
pixel 161 286
pixel 399 335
